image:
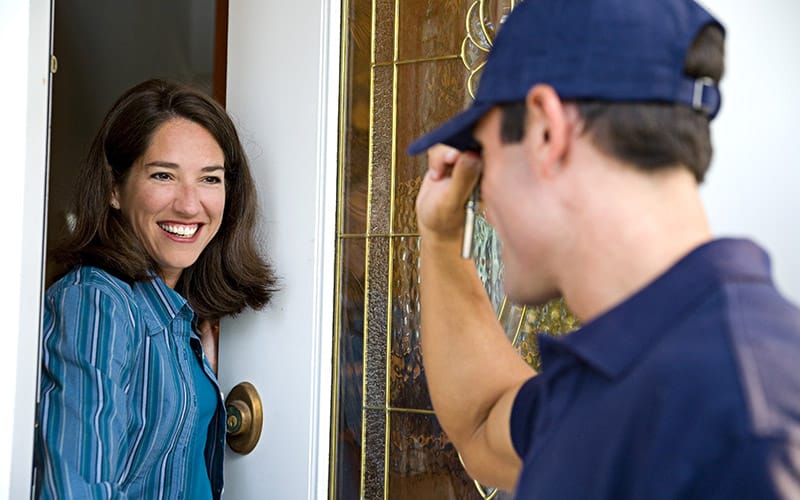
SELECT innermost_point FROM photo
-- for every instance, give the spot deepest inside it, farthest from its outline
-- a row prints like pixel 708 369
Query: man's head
pixel 644 75
pixel 649 135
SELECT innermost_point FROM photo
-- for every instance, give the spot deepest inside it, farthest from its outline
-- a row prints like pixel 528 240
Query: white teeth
pixel 184 231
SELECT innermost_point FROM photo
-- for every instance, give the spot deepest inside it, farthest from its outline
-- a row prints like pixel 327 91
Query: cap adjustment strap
pixel 705 96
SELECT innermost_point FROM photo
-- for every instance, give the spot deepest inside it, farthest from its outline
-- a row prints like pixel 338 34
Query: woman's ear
pixel 114 202
pixel 547 127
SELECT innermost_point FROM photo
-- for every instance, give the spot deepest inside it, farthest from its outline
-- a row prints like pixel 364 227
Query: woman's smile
pixel 183 232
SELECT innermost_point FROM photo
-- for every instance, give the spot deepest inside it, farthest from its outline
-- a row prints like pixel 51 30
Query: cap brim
pixel 455 132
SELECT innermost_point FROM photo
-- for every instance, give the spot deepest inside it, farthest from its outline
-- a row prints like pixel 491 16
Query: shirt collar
pixel 613 341
pixel 160 304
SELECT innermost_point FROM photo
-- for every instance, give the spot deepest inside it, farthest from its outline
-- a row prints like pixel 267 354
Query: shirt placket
pixel 184 356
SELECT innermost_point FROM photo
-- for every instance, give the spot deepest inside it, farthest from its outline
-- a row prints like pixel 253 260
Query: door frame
pixel 28 49
pixel 25 44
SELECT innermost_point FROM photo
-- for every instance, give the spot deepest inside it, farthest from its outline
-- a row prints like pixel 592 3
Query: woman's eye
pixel 161 176
pixel 212 179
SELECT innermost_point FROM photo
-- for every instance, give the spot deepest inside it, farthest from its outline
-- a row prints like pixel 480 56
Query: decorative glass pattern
pixel 382 156
pixel 425 96
pixel 406 67
pixel 426 29
pixel 384 23
pixel 350 373
pixel 374 456
pixel 483 19
pixel 423 463
pixel 486 253
pixel 408 386
pixel 376 321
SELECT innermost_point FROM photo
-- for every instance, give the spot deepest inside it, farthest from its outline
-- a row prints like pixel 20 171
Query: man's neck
pixel 634 227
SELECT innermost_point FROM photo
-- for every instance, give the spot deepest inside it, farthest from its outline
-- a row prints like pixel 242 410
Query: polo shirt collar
pixel 160 304
pixel 615 340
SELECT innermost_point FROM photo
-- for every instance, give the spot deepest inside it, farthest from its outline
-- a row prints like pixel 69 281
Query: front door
pixel 278 83
pixel 282 92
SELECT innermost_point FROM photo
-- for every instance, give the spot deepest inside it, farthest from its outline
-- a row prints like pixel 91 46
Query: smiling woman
pixel 164 240
pixel 174 196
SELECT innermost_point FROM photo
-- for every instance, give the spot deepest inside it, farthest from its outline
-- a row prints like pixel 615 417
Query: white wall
pixel 753 188
pixel 24 49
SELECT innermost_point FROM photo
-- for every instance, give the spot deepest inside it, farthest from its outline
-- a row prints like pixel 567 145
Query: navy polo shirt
pixel 688 389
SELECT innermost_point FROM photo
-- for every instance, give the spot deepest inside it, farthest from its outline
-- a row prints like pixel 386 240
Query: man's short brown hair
pixel 650 135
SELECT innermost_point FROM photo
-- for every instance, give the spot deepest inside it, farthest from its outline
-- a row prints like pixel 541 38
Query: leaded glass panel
pixel 406 67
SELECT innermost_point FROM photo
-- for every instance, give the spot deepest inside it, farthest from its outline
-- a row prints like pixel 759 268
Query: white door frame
pixel 25 49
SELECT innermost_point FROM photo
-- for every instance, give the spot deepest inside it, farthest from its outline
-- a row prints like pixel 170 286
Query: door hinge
pixel 53 64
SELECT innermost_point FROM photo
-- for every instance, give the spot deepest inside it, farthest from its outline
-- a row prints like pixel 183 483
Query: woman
pixel 163 246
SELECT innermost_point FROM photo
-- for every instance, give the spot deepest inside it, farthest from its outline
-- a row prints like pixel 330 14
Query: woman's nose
pixel 187 201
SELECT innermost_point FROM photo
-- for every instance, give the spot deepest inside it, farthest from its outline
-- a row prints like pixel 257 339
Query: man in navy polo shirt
pixel 590 134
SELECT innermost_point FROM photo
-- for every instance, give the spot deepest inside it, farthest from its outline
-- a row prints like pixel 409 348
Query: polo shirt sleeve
pixel 84 412
pixel 760 468
pixel 524 414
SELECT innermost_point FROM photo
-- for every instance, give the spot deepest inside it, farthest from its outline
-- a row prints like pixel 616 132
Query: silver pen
pixel 469 221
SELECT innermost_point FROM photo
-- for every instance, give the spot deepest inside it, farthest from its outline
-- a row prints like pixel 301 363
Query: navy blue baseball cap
pixel 607 50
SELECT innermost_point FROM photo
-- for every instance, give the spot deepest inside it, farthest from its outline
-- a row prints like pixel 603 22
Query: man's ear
pixel 547 127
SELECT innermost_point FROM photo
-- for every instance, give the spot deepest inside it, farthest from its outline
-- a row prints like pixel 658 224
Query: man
pixel 590 134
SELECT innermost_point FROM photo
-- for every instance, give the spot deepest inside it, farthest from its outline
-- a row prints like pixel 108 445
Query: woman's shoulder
pixel 88 309
pixel 90 277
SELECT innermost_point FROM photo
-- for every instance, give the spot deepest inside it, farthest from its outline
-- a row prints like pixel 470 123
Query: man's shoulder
pixel 739 351
pixel 730 362
pixel 764 332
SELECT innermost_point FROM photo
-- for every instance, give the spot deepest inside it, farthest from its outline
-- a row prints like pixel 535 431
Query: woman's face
pixel 174 195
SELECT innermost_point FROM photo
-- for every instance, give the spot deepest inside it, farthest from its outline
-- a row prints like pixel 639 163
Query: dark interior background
pixel 104 48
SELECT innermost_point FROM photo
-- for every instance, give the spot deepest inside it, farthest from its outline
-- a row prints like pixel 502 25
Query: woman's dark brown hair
pixel 230 274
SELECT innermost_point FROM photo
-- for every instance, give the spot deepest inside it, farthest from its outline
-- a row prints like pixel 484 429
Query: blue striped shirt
pixel 118 414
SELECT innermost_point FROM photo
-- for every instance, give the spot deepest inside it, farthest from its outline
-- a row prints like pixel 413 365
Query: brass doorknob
pixel 245 418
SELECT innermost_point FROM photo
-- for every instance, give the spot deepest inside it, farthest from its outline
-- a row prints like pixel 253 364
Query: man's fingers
pixel 441 159
pixel 451 177
pixel 465 174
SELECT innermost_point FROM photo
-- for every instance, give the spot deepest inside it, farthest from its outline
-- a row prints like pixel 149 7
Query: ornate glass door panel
pixel 407 66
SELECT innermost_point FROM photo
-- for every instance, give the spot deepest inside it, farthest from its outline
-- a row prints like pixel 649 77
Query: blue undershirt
pixel 199 485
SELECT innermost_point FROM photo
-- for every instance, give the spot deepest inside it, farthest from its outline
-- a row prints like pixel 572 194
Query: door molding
pixel 325 287
pixel 25 45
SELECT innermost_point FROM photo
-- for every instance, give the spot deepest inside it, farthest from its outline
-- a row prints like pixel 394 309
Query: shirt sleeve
pixel 524 414
pixel 84 412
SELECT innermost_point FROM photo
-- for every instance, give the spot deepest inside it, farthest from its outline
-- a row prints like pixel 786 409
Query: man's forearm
pixel 469 362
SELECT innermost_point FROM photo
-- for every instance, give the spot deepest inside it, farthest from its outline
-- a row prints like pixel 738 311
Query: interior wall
pixel 104 48
pixel 753 187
